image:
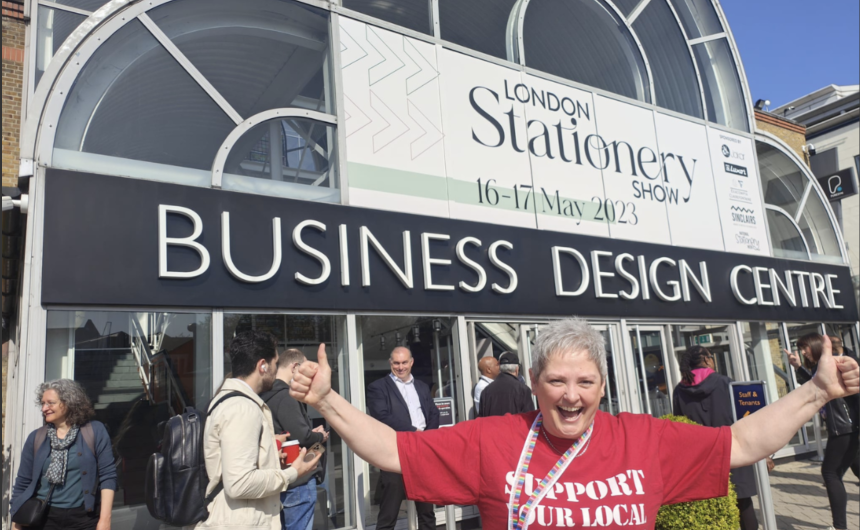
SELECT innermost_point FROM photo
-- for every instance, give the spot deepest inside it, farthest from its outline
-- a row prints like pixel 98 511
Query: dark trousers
pixel 838 457
pixel 69 519
pixel 392 493
pixel 749 521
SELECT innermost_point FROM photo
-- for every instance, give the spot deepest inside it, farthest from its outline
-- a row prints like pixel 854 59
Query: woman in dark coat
pixel 842 419
pixel 703 396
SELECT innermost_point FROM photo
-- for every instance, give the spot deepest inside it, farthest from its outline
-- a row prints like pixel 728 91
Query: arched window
pixel 412 14
pixel 585 41
pixel 800 224
pixel 159 97
pixel 481 25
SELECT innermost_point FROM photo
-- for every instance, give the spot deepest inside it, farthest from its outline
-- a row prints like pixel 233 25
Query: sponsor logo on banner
pixel 735 170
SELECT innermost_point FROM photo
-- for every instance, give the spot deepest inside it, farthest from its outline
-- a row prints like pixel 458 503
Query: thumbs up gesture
pixel 836 376
pixel 312 380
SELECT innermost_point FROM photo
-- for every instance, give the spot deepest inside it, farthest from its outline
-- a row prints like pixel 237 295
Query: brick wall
pixel 789 132
pixel 13 77
pixel 14 35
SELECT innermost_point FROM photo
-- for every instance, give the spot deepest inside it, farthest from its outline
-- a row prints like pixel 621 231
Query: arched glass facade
pixel 252 102
pixel 672 53
pixel 799 222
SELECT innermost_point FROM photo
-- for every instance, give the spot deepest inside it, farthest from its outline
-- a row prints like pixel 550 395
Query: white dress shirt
pixel 407 390
pixel 482 384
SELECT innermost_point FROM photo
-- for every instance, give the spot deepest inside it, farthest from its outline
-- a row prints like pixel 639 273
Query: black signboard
pixel 446 411
pixel 839 185
pixel 112 241
pixel 748 397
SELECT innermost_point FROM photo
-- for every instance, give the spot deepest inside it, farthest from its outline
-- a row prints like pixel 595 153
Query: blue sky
pixel 791 47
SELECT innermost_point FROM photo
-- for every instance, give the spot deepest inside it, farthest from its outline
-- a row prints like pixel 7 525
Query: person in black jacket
pixel 404 404
pixel 703 396
pixel 842 417
pixel 506 394
pixel 290 416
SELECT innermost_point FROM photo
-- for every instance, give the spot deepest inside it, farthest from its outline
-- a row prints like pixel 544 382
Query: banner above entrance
pixel 436 132
pixel 115 241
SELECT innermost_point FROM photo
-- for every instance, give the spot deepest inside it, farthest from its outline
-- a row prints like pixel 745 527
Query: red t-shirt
pixel 633 464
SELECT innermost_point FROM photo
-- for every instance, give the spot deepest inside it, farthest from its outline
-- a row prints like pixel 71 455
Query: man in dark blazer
pixel 506 394
pixel 404 404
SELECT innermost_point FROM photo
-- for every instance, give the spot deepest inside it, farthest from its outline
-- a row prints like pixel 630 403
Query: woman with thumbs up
pixel 562 460
pixel 842 418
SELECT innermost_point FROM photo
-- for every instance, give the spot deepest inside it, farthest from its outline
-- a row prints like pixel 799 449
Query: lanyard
pixel 517 518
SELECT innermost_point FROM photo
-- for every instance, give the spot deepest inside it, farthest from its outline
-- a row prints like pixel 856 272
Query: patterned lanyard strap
pixel 518 518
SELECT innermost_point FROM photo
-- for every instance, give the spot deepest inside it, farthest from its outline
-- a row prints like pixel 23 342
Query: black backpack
pixel 176 478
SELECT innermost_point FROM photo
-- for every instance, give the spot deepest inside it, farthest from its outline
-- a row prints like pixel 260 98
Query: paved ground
pixel 800 500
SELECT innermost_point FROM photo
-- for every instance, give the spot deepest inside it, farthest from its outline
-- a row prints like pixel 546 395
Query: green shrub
pixel 712 514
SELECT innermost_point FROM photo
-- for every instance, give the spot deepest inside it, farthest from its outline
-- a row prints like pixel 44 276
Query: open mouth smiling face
pixel 569 391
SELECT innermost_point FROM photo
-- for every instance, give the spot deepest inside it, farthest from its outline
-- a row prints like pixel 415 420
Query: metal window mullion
pixel 514 33
pixel 744 372
pixel 794 223
pixel 64 7
pixel 340 111
pixel 192 70
pixel 803 200
pixel 216 341
pixel 642 369
pixel 706 38
pixel 434 18
pixel 692 59
pixel 361 469
pixel 629 24
pixel 739 67
pixel 637 11
pixel 785 338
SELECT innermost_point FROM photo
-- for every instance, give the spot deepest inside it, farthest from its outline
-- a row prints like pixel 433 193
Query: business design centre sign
pixel 436 132
pixel 112 241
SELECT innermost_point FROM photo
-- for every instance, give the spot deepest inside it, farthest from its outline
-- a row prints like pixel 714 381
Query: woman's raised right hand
pixel 312 380
pixel 793 358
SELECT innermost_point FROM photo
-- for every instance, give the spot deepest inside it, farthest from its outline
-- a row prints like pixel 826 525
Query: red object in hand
pixel 291 449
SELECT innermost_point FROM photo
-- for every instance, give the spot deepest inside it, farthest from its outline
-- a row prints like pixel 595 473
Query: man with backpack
pixel 290 416
pixel 239 443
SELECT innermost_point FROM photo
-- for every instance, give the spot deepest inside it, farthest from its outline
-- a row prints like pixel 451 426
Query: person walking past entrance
pixel 841 417
pixel 404 404
pixel 703 396
pixel 506 394
pixel 489 368
pixel 290 416
pixel 239 444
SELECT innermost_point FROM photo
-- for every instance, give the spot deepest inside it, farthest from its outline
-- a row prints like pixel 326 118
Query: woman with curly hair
pixel 703 396
pixel 66 464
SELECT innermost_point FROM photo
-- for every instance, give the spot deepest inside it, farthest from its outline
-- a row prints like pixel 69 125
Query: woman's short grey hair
pixel 72 395
pixel 565 337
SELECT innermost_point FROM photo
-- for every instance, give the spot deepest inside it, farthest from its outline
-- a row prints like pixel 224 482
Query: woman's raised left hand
pixel 836 377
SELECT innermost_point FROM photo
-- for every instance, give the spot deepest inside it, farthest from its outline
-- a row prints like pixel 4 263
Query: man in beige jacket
pixel 239 444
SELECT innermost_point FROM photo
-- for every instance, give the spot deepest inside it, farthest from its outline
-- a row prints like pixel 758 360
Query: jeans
pixel 298 504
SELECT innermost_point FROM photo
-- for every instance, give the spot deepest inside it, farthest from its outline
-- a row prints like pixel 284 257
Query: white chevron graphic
pixel 356 119
pixel 426 72
pixel 394 129
pixel 431 134
pixel 350 50
pixel 390 62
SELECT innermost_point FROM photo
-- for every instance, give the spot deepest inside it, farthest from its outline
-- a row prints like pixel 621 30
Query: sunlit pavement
pixel 800 500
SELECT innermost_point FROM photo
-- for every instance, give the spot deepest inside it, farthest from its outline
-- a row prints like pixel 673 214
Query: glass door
pixel 431 344
pixel 650 354
pixel 764 352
